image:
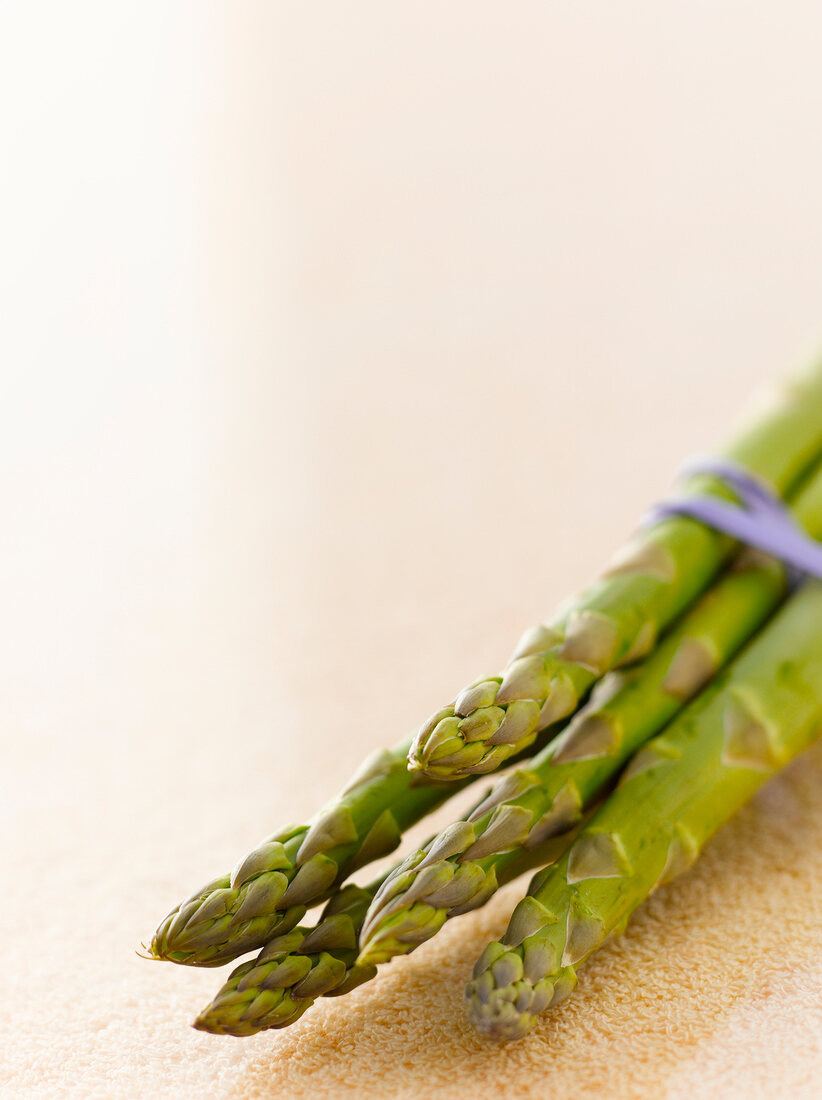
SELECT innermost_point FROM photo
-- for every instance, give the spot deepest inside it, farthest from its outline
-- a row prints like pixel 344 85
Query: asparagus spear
pixel 617 620
pixel 550 794
pixel 292 970
pixel 459 870
pixel 674 795
pixel 270 889
pixel 268 892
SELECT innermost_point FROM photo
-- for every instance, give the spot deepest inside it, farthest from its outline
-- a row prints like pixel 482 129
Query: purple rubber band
pixel 761 519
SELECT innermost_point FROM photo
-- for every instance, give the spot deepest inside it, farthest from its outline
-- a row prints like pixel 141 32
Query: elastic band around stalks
pixel 761 519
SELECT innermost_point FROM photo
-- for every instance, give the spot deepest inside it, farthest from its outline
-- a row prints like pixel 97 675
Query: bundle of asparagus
pixel 674 608
pixel 687 781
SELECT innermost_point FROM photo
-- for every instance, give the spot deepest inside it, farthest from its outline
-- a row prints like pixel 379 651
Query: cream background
pixel 339 341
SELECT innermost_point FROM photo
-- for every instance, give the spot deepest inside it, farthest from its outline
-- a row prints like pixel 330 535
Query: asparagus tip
pixel 500 1023
pixel 376 951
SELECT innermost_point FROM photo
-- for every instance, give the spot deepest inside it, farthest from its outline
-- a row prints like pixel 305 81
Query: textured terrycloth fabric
pixel 714 990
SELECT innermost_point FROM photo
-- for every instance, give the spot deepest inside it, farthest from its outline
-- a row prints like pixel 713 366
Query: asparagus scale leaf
pixel 676 792
pixel 616 621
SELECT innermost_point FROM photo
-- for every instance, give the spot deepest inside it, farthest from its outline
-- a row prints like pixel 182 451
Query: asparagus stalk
pixel 459 870
pixel 550 794
pixel 270 890
pixel 674 795
pixel 275 989
pixel 616 621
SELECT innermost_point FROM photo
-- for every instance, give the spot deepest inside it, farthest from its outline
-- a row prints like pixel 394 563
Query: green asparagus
pixel 617 620
pixel 550 794
pixel 275 989
pixel 269 890
pixel 676 792
pixel 292 970
pixel 460 869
